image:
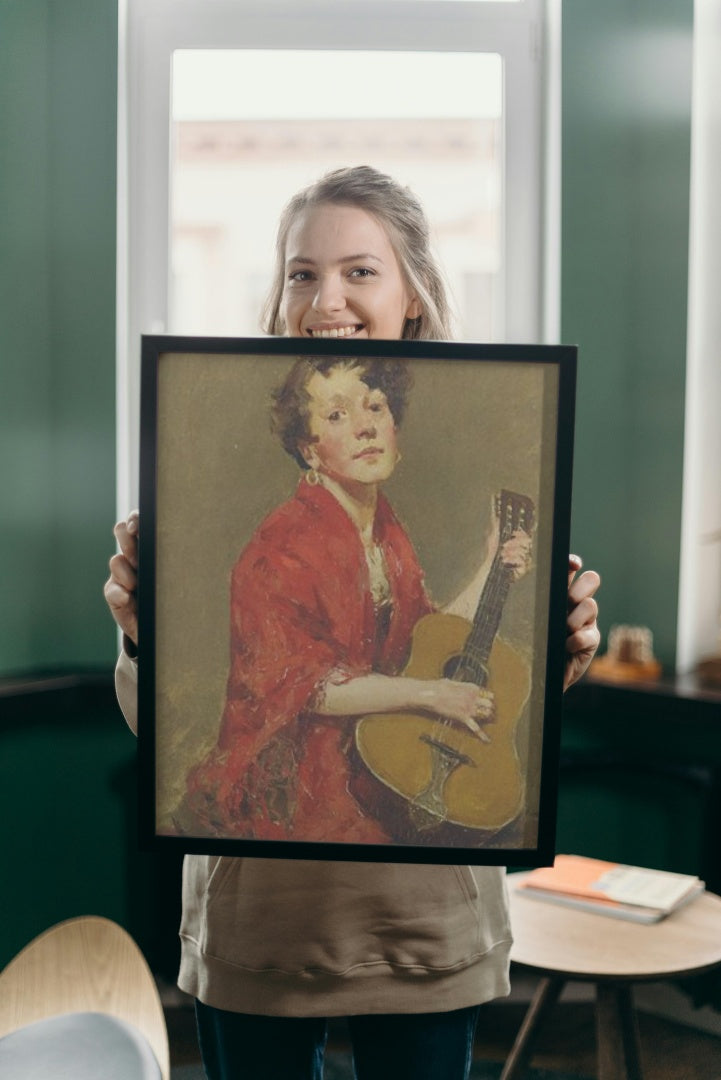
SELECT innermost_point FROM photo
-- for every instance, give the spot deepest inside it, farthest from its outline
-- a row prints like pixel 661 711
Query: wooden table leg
pixel 617 1033
pixel 545 997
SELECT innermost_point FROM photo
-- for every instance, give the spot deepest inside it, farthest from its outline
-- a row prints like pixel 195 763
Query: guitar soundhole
pixel 462 668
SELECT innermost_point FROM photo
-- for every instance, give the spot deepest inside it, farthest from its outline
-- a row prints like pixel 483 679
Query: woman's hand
pixel 516 554
pixel 583 635
pixel 464 703
pixel 121 587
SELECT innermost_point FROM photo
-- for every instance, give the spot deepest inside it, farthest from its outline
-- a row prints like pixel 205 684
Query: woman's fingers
pixel 575 563
pixel 123 607
pixel 583 613
pixel 121 587
pixel 582 606
pixel 126 534
pixel 516 553
pixel 467 704
pixel 123 572
pixel 582 633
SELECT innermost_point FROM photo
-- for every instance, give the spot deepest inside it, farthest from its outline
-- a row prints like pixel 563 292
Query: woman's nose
pixel 365 425
pixel 329 295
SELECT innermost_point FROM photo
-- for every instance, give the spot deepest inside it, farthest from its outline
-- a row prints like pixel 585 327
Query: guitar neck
pixel 473 665
pixel 514 512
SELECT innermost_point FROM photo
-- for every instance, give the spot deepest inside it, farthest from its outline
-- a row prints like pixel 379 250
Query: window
pixel 227 107
pixel 235 161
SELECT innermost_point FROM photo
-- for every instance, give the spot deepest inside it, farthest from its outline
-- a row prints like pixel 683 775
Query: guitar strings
pixel 480 639
pixel 472 664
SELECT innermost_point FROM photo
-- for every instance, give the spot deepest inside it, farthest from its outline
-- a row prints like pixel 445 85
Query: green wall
pixel 626 145
pixel 67 773
pixel 58 72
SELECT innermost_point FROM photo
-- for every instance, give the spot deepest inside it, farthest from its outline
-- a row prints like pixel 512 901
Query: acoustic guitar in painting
pixel 425 774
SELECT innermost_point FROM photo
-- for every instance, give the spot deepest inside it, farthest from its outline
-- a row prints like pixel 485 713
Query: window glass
pixel 251 127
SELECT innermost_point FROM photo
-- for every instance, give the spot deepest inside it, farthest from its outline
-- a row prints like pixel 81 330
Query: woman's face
pixel 352 430
pixel 342 277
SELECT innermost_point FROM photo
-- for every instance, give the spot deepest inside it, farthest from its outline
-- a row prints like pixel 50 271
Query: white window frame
pixel 699 597
pixel 526 34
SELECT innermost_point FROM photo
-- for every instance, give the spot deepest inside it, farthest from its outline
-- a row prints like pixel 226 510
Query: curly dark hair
pixel 290 409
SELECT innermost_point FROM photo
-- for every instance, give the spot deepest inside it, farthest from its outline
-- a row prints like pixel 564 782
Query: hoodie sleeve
pixel 126 689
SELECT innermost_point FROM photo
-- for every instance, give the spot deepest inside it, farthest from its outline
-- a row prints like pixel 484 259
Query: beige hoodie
pixel 286 937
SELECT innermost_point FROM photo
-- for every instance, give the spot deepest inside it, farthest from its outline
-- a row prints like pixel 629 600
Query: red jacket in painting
pixel 301 609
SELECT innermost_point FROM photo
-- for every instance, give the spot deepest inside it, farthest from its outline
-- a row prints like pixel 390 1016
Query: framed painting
pixel 352 597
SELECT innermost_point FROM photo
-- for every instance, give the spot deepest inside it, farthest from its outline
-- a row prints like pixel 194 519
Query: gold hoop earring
pixel 312 477
pixel 399 456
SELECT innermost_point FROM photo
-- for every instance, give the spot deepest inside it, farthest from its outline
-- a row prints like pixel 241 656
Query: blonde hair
pixel 403 217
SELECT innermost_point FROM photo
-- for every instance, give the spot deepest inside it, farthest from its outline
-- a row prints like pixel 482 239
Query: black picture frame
pixel 481 420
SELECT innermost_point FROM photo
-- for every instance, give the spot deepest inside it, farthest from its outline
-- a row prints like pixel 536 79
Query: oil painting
pixel 353 573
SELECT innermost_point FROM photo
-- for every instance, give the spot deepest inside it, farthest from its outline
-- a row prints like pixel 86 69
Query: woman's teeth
pixel 336 332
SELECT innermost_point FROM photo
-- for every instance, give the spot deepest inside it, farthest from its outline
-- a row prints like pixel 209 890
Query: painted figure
pixel 324 600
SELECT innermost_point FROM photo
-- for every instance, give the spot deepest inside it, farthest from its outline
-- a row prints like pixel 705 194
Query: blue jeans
pixel 413 1046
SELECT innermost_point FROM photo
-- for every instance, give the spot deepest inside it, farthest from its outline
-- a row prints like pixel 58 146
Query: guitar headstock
pixel 514 512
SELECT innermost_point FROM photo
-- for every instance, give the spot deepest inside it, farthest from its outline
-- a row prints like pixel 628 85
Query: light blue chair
pixel 79 1003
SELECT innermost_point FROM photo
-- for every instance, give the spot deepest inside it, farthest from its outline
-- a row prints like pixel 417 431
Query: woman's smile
pixel 334 331
pixel 342 277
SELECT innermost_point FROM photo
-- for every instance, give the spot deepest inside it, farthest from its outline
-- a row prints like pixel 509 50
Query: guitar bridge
pixel 428 808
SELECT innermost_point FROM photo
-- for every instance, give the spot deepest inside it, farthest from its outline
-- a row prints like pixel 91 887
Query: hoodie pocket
pixel 297 916
pixel 468 883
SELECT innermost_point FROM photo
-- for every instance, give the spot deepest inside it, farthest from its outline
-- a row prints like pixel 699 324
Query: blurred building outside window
pixel 236 161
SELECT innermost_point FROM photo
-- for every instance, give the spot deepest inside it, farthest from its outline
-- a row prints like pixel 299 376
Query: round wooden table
pixel 562 944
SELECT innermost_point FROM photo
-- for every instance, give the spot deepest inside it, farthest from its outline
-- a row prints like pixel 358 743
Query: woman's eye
pixel 335 415
pixel 362 272
pixel 300 276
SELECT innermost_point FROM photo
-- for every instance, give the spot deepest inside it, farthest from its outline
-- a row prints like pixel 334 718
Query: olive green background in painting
pixel 471 429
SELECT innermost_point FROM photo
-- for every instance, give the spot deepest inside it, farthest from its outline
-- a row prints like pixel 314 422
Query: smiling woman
pixel 353 258
pixel 339 262
pixel 324 599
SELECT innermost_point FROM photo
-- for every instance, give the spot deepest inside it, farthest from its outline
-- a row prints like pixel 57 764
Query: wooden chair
pixel 77 976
